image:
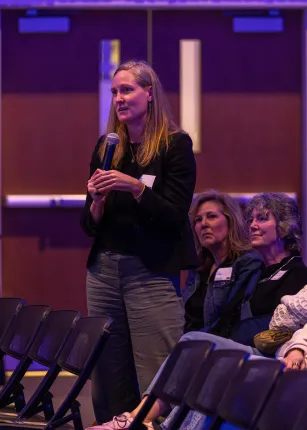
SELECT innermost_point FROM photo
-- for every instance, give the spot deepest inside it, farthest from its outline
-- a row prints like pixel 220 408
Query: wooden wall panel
pixel 251 99
pixel 44 255
pixel 251 107
pixel 50 98
pixel 50 127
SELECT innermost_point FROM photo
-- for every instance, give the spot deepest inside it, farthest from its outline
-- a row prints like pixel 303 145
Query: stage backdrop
pixel 250 125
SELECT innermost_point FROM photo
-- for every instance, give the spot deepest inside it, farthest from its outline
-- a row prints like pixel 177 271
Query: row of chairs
pixel 57 339
pixel 229 386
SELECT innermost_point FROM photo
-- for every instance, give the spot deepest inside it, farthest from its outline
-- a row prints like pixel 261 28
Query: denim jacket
pixel 220 292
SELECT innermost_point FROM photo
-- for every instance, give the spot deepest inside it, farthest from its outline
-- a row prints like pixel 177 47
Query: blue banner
pixel 156 3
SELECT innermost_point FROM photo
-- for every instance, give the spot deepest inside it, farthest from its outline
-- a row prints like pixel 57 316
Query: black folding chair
pixel 286 404
pixel 79 356
pixel 209 384
pixel 9 308
pixel 17 342
pixel 45 350
pixel 175 376
pixel 247 394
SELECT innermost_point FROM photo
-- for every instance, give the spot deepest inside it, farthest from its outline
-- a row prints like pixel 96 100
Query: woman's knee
pixel 195 335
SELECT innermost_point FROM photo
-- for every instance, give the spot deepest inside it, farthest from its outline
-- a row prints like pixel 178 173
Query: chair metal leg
pixel 47 406
pixel 76 416
pixel 19 398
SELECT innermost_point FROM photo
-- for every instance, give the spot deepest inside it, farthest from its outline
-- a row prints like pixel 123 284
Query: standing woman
pixel 138 215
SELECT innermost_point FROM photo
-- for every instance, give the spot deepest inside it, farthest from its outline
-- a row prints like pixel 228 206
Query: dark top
pixel 268 292
pixel 120 232
pixel 263 300
pixel 194 306
pixel 157 229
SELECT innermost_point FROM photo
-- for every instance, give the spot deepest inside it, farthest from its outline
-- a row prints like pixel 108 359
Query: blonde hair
pixel 238 239
pixel 159 124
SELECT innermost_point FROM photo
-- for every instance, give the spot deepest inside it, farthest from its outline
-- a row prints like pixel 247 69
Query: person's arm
pixel 92 212
pixel 292 312
pixel 295 350
pixel 189 285
pixel 294 360
pixel 168 211
pixel 246 273
pixel 291 283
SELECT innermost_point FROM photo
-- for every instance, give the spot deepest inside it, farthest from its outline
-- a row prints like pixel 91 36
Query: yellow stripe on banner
pixel 115 53
pixel 40 373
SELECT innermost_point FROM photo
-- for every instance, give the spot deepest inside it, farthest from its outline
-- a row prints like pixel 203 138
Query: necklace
pixel 132 154
pixel 278 270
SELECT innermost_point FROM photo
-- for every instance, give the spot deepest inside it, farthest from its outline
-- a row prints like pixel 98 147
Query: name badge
pixel 148 180
pixel 223 274
pixel 278 275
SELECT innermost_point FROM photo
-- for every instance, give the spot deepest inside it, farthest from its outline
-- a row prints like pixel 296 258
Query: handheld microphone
pixel 111 141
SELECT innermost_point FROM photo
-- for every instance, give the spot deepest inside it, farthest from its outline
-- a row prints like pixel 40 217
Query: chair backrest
pixel 46 349
pixel 174 378
pixel 9 308
pixel 17 343
pixel 211 380
pixel 179 369
pixel 249 390
pixel 50 340
pixel 286 403
pixel 19 337
pixel 79 356
pixel 82 343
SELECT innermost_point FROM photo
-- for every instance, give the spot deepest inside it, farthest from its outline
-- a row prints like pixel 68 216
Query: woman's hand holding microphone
pixel 104 181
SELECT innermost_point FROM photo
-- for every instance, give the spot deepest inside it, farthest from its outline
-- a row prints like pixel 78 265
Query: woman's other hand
pixel 96 195
pixel 294 360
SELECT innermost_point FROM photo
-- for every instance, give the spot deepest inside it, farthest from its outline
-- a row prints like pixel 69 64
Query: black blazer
pixel 166 239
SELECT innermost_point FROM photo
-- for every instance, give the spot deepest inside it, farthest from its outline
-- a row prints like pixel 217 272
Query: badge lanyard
pixel 278 270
